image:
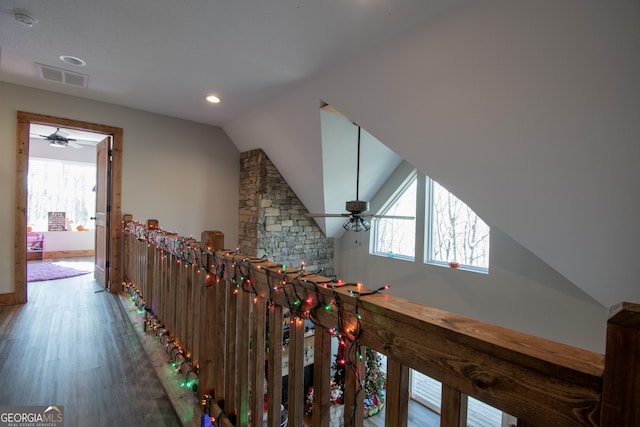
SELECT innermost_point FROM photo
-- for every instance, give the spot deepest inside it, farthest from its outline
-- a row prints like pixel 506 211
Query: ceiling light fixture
pixel 212 99
pixel 25 18
pixel 356 223
pixel 73 60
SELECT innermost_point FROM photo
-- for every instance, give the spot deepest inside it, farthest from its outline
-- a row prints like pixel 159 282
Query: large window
pixel 458 237
pixel 60 186
pixel 455 236
pixel 397 237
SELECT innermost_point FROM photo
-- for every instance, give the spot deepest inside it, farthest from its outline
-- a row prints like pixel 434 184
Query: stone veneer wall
pixel 272 219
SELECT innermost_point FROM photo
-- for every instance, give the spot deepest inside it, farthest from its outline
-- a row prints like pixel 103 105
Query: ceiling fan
pixel 60 139
pixel 357 216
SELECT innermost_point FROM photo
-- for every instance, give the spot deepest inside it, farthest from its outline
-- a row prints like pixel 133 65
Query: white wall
pixel 529 111
pixel 68 240
pixel 182 173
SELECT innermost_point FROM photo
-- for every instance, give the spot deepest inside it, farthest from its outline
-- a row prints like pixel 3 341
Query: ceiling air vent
pixel 59 75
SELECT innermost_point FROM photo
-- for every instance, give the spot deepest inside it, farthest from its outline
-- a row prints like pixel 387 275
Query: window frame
pixel 428 235
pixel 424 224
pixel 395 196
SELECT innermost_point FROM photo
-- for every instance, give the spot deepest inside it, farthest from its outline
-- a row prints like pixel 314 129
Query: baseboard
pixel 8 298
pixel 69 254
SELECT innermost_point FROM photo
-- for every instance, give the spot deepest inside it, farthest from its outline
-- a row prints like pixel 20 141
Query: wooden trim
pixel 69 254
pixel 8 298
pixel 20 220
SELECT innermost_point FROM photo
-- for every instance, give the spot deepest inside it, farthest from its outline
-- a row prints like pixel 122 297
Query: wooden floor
pixel 419 416
pixel 72 345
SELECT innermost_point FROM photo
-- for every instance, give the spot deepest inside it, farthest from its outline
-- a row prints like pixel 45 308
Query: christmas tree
pixel 375 380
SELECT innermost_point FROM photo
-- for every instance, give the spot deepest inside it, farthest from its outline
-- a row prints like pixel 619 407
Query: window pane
pixel 458 235
pixel 426 390
pixel 59 186
pixel 394 237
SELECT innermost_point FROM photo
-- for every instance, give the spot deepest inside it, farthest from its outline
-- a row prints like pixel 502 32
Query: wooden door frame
pixel 114 232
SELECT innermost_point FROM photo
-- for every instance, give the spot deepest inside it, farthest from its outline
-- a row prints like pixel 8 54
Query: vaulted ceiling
pixel 164 56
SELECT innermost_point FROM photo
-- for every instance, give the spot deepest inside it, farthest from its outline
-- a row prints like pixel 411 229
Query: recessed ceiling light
pixel 73 60
pixel 25 18
pixel 212 99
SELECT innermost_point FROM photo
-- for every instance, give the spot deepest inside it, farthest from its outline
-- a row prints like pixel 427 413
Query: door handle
pixel 93 218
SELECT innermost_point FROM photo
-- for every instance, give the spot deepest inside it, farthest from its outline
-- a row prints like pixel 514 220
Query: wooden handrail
pixel 223 307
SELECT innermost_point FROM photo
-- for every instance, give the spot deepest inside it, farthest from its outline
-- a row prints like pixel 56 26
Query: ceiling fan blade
pixel 389 216
pixel 321 215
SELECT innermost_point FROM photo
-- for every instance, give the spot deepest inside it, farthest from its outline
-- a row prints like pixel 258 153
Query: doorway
pixel 108 243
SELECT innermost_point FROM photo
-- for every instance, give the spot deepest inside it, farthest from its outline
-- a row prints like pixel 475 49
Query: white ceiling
pixel 164 56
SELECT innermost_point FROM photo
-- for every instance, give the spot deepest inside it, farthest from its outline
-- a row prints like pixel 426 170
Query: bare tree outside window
pixel 60 186
pixel 458 235
pixel 397 237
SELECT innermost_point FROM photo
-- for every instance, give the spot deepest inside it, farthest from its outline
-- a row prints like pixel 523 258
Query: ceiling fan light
pixel 57 144
pixel 356 224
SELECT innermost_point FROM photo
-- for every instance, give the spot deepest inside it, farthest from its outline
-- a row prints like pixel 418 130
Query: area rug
pixel 40 271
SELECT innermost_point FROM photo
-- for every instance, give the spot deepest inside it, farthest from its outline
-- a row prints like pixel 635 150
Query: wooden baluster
pixel 621 384
pixel 454 407
pixel 295 394
pixel 242 361
pixel 354 379
pixel 230 406
pixel 321 378
pixel 221 332
pixel 152 265
pixel 258 330
pixel 397 393
pixel 126 248
pixel 274 373
pixel 206 318
pixel 189 308
pixel 207 329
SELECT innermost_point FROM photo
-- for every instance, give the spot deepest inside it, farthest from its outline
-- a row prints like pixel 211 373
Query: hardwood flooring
pixel 72 345
pixel 419 416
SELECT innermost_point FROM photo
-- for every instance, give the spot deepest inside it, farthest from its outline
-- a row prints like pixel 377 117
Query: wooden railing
pixel 219 314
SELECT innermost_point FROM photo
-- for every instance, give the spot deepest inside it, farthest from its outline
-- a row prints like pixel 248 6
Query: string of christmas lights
pixel 302 294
